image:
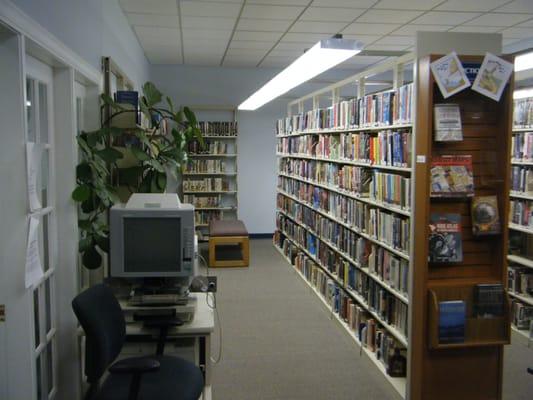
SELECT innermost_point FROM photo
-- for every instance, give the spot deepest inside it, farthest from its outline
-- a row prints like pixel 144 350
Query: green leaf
pixel 84 172
pixel 162 181
pixel 170 105
pixel 82 142
pixel 103 243
pixel 81 193
pixel 156 165
pixel 190 116
pixel 152 94
pixel 145 109
pixel 91 258
pixel 130 176
pixel 139 154
pixel 107 100
pixel 84 244
pixel 89 205
pixel 84 224
pixel 109 154
pixel 112 194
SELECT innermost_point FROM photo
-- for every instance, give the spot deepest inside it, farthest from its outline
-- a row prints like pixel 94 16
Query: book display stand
pixel 356 219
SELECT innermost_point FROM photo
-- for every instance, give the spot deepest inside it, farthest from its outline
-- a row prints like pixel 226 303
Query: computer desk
pixel 200 329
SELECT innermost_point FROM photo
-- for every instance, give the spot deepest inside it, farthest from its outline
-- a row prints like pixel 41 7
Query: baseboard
pixel 261 235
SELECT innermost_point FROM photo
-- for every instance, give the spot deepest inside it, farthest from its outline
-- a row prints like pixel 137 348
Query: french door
pixel 40 133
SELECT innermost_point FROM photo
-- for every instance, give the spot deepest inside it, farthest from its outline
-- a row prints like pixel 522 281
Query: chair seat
pixel 227 228
pixel 177 379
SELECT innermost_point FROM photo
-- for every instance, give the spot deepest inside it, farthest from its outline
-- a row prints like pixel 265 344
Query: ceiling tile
pixel 517 33
pixel 204 46
pixel 271 12
pixel 408 4
pixel 153 35
pixel 317 27
pixel 370 29
pixel 445 18
pixel 245 44
pixel 462 5
pixel 260 36
pixel 344 3
pixel 266 25
pixel 191 8
pixel 526 24
pixel 366 39
pixel 411 29
pixel 499 19
pixel 331 14
pixel 476 29
pixel 397 40
pixel 388 16
pixel 387 47
pixel 518 6
pixel 162 7
pixel 168 21
pixel 273 63
pixel 280 2
pixel 207 35
pixel 218 23
pixel 305 37
pixel 242 60
pixel 247 52
pixel 203 59
pixel 286 53
pixel 292 46
pixel 163 57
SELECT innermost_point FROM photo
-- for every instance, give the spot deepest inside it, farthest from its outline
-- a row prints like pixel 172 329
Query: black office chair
pixel 139 378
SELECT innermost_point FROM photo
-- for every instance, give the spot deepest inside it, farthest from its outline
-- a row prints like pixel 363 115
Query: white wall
pixel 191 85
pixel 92 29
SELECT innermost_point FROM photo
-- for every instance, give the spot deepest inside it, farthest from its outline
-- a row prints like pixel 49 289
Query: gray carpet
pixel 279 342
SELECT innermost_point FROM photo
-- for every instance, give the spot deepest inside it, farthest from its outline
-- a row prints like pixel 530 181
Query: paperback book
pixel 485 216
pixel 447 124
pixel 452 316
pixel 445 238
pixel 452 176
pixel 488 300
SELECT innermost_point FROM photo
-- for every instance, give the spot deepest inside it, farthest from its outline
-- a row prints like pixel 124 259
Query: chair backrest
pixel 102 319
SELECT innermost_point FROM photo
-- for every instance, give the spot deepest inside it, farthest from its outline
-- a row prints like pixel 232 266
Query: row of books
pixel 520 280
pixel 520 212
pixel 204 217
pixel 393 189
pixel 522 315
pixel 202 201
pixel 387 306
pixel 523 113
pixel 367 329
pixel 388 148
pixel 380 109
pixel 522 146
pixel 385 227
pixel 205 166
pixel 218 128
pixel 206 185
pixel 521 179
pixel 210 147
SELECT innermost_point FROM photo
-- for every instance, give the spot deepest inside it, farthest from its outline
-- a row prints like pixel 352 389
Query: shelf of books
pixel 520 256
pixel 460 308
pixel 344 209
pixel 210 178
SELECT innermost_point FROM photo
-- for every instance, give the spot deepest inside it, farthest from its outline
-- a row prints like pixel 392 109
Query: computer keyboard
pixel 157 300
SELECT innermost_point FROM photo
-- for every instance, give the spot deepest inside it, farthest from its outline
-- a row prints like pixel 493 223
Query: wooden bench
pixel 228 244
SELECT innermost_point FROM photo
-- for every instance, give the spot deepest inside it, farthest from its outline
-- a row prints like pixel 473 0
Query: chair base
pixel 218 259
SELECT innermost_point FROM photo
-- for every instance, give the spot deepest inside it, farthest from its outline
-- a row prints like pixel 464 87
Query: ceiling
pixel 272 33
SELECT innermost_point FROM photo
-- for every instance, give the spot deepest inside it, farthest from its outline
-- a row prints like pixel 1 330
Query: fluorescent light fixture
pixel 523 61
pixel 522 94
pixel 322 56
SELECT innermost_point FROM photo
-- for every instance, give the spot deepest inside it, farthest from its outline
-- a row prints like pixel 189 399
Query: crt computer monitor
pixel 152 240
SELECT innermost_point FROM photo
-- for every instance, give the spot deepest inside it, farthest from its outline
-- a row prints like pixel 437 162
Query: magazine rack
pixel 478 331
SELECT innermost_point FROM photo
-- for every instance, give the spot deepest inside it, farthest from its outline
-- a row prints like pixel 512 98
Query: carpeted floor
pixel 278 342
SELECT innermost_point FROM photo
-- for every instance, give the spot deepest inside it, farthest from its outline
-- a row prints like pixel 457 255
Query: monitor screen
pixel 152 244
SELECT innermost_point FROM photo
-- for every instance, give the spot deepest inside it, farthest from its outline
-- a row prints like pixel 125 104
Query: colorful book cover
pixel 485 216
pixel 452 316
pixel 452 176
pixel 445 238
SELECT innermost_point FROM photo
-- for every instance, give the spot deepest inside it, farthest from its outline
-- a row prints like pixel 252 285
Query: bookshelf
pixel 327 227
pixel 520 257
pixel 210 179
pixel 353 212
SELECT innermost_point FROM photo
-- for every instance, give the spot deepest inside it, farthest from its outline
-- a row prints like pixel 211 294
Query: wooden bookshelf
pixel 289 243
pixel 453 371
pixel 220 149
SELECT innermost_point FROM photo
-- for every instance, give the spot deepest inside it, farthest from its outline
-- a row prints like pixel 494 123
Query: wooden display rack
pixel 473 369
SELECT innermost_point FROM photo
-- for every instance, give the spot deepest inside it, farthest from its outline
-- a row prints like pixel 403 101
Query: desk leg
pixel 205 360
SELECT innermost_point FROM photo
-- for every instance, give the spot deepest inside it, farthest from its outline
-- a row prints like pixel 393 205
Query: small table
pixel 200 329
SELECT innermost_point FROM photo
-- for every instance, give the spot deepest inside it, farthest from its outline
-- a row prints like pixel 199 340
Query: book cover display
pixel 485 216
pixel 452 316
pixel 445 238
pixel 449 75
pixel 447 124
pixel 488 300
pixel 452 176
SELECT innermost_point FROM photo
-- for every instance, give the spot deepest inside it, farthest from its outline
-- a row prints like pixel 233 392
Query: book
pixel 452 176
pixel 493 76
pixel 447 123
pixel 445 238
pixel 522 315
pixel 449 74
pixel 452 316
pixel 488 300
pixel 485 216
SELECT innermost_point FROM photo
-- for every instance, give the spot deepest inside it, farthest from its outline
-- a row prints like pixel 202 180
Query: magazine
pixel 447 123
pixel 449 75
pixel 451 176
pixel 492 76
pixel 445 238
